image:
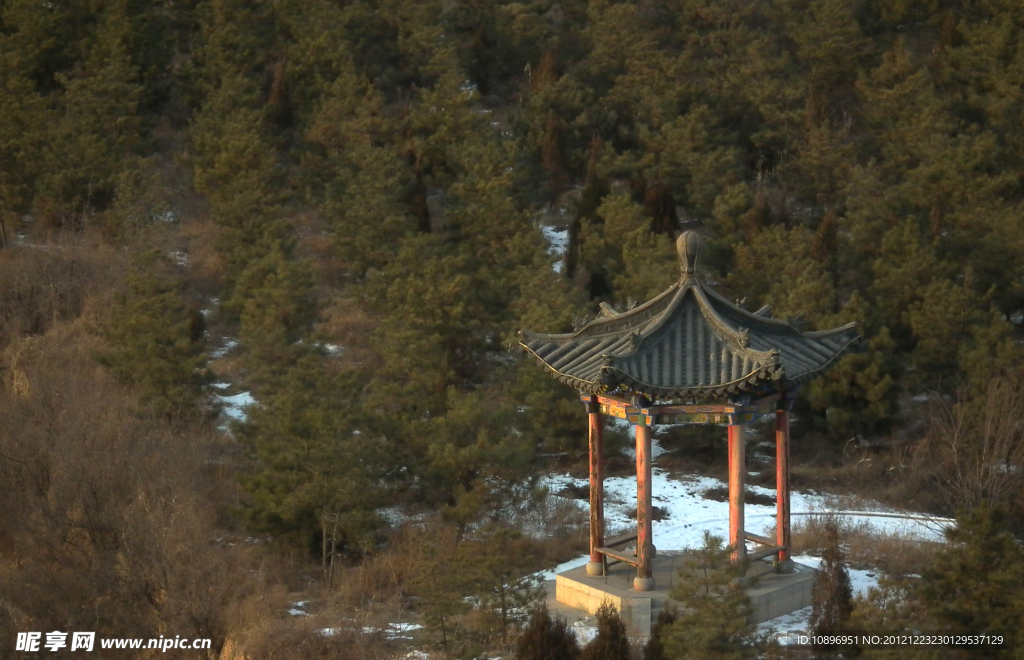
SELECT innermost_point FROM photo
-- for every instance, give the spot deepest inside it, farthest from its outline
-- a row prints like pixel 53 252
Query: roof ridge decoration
pixel 688 343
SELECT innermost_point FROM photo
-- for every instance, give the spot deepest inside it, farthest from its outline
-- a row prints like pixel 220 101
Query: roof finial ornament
pixel 688 245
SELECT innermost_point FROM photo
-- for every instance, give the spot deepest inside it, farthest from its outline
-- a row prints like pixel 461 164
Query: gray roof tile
pixel 688 342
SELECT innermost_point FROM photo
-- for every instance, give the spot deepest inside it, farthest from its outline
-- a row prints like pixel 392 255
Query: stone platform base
pixel 771 594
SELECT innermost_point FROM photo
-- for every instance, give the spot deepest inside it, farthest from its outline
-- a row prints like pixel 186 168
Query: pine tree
pixel 822 167
pixel 712 621
pixel 693 158
pixel 98 128
pixel 611 641
pixel 141 200
pixel 156 343
pixel 46 40
pixel 977 580
pixel 891 607
pixel 469 461
pixel 315 460
pixel 858 393
pixel 637 263
pixel 902 271
pixel 595 188
pixel 235 166
pixel 430 334
pixel 366 180
pixel 551 154
pixel 830 44
pixel 275 302
pixel 795 285
pixel 441 591
pixel 832 593
pixel 547 409
pixel 21 132
pixel 234 44
pixel 507 587
pixel 654 649
pixel 944 325
pixel 546 638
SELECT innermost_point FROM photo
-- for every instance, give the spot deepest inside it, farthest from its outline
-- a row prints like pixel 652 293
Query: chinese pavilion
pixel 688 356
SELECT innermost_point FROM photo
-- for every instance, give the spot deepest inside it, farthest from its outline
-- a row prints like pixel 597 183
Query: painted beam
pixel 706 413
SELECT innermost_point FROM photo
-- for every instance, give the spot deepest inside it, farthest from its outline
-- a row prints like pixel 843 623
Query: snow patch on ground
pixel 799 621
pixel 391 631
pixel 860 580
pixel 558 243
pixel 214 302
pixel 399 514
pixel 395 630
pixel 228 346
pixel 689 514
pixel 233 405
pixel 630 450
pixel 779 627
pixel 585 630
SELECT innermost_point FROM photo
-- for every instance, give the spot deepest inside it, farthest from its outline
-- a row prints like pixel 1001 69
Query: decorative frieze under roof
pixel 688 343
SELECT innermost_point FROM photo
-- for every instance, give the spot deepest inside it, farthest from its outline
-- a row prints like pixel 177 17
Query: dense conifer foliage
pixel 157 341
pixel 713 608
pixel 363 195
pixel 832 594
pixel 974 583
pixel 654 649
pixel 546 638
pixel 611 641
pixel 991 598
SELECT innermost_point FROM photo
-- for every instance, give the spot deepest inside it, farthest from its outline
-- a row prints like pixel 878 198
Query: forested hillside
pixel 360 193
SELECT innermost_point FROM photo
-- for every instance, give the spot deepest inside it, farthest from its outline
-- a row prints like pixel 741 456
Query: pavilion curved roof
pixel 688 343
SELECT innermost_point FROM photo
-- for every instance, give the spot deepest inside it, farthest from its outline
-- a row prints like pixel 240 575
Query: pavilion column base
pixel 785 567
pixel 643 584
pixel 595 568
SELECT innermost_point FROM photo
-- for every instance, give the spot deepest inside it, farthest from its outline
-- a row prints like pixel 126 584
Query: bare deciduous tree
pixel 979 444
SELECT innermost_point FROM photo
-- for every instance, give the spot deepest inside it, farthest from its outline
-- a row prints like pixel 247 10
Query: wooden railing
pixel 767 551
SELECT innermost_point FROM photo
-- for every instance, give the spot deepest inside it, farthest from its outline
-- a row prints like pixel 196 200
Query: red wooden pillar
pixel 737 478
pixel 644 580
pixel 782 537
pixel 596 565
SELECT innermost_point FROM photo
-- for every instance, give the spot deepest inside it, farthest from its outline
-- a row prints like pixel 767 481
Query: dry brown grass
pixel 41 285
pixel 387 587
pixel 865 547
pixel 206 264
pixel 890 474
pixel 332 629
pixel 348 324
pixel 109 520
